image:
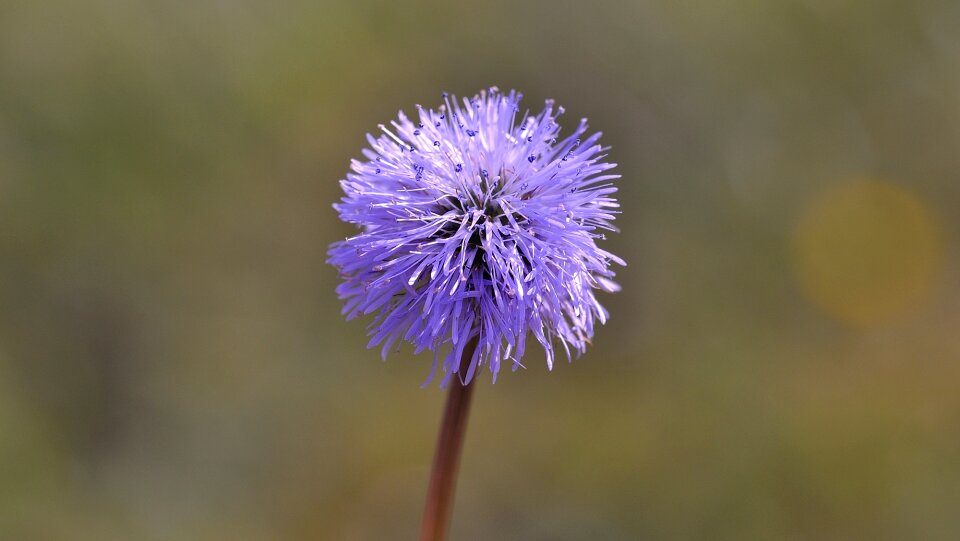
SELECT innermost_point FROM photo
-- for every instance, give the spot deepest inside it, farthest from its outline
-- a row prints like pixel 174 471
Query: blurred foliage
pixel 782 361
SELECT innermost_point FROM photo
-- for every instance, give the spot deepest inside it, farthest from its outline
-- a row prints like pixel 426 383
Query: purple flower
pixel 477 222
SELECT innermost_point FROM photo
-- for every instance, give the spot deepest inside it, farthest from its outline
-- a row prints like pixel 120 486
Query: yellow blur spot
pixel 867 251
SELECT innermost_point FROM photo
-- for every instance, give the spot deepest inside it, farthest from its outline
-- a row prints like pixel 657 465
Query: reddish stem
pixel 446 458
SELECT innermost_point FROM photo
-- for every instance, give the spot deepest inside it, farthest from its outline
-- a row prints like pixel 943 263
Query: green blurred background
pixel 782 362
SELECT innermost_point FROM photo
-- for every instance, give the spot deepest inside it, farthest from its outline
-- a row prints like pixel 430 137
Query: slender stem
pixel 446 458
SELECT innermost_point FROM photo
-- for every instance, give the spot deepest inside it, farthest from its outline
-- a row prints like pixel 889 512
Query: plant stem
pixel 446 458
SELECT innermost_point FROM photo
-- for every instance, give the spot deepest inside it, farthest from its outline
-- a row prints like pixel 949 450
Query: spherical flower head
pixel 478 225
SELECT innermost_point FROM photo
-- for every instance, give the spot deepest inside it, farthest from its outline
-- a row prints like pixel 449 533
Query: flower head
pixel 478 225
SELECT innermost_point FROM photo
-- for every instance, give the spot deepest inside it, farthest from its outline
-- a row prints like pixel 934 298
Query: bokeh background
pixel 782 363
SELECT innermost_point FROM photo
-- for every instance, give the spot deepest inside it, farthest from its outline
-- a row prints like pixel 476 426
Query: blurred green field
pixel 782 362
